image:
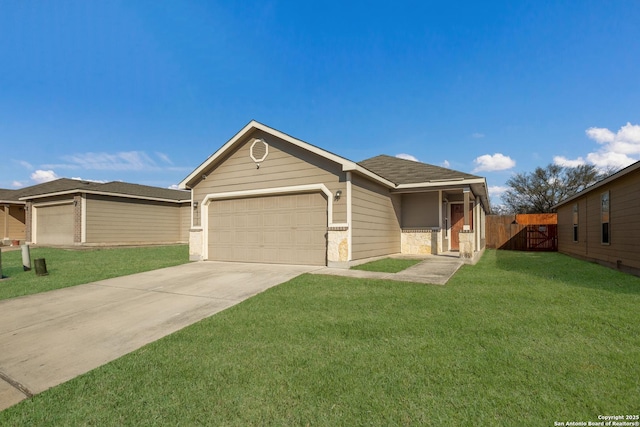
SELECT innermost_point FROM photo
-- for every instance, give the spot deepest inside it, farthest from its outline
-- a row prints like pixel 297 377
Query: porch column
pixel 466 226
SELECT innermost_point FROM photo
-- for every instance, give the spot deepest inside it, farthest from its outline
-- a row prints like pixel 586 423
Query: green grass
pixel 518 339
pixel 74 267
pixel 388 265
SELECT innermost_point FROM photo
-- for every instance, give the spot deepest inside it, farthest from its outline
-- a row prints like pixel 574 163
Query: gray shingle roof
pixel 115 187
pixel 402 171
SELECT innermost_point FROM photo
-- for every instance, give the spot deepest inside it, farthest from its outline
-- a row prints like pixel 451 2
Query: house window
pixel 575 222
pixel 604 218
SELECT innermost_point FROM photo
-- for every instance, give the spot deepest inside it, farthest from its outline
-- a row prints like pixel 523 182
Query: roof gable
pixel 219 155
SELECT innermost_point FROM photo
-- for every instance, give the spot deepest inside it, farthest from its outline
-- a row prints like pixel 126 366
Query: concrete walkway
pixel 49 338
pixel 435 269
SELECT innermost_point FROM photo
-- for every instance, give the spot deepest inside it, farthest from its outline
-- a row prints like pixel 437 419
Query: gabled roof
pixel 631 168
pixel 64 186
pixel 402 171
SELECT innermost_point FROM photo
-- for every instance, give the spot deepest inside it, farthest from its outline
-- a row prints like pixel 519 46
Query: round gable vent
pixel 259 150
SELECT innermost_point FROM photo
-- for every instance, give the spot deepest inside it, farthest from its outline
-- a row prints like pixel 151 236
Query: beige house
pixel 75 212
pixel 265 196
pixel 602 222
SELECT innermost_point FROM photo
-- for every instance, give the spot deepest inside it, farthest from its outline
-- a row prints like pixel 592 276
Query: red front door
pixel 457 223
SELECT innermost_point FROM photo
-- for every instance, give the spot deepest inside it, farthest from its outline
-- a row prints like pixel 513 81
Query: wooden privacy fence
pixel 523 232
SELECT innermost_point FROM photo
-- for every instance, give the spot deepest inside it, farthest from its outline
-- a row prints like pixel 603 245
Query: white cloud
pixel 164 158
pixel 18 184
pixel 446 164
pixel 125 160
pixel 619 149
pixel 605 160
pixel 25 164
pixel 477 135
pixel 491 163
pixel 563 161
pixel 41 176
pixel 407 157
pixel 174 187
pixel 497 190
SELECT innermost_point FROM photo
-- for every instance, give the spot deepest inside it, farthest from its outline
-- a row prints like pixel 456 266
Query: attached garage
pixel 54 224
pixel 287 229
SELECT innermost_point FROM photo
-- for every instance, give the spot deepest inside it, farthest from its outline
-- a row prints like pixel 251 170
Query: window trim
pixel 575 219
pixel 605 210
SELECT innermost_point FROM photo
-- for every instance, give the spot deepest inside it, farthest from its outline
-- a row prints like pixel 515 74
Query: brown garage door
pixel 54 225
pixel 287 229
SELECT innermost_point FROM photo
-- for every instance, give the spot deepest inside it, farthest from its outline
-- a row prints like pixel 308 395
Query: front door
pixel 457 223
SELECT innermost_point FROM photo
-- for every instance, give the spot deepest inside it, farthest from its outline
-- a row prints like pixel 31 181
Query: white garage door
pixel 286 229
pixel 54 225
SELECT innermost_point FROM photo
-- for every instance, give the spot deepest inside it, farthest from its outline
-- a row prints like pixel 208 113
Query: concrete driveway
pixel 49 338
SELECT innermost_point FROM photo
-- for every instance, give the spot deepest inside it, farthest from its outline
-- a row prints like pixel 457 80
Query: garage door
pixel 54 225
pixel 286 229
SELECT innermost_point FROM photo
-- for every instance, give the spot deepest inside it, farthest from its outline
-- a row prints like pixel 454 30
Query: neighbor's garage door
pixel 54 225
pixel 286 229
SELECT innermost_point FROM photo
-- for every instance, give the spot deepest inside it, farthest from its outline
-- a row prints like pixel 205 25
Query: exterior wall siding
pixel 15 222
pixel 624 248
pixel 375 220
pixel 286 165
pixel 121 220
pixel 420 210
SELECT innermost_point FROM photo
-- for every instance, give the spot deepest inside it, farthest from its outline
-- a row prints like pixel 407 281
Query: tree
pixel 540 190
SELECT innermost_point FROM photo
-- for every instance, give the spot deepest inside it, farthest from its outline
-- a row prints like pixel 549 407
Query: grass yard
pixel 519 339
pixel 388 265
pixel 75 267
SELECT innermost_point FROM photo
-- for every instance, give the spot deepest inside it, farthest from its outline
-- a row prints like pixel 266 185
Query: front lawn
pixel 518 339
pixel 70 267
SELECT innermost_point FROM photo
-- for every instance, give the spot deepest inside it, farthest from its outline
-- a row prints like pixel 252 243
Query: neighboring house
pixel 602 222
pixel 12 217
pixel 265 196
pixel 75 212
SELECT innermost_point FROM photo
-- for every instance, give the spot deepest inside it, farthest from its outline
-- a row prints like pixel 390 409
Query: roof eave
pixel 105 193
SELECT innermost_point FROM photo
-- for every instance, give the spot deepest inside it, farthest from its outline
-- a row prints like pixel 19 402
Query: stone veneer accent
pixel 195 244
pixel 77 219
pixel 467 244
pixel 338 245
pixel 420 241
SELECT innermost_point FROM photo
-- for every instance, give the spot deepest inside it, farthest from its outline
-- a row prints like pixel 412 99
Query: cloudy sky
pixel 144 91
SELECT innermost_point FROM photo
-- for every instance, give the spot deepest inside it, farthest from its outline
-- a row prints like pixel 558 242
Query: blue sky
pixel 145 91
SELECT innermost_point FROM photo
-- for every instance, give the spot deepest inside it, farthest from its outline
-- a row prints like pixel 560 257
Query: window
pixel 575 222
pixel 604 218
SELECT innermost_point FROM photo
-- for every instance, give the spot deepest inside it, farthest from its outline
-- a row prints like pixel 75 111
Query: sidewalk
pixel 435 270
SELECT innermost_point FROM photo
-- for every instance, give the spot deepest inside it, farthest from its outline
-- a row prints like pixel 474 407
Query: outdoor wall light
pixel 338 194
pixel 195 205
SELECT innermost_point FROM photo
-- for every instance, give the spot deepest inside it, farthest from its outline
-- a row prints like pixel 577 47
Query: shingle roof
pixel 402 171
pixel 8 195
pixel 64 185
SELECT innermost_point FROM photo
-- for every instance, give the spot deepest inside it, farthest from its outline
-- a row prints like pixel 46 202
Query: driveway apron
pixel 49 338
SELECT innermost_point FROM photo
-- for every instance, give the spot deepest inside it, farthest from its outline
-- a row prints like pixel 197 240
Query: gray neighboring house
pixel 265 196
pixel 75 212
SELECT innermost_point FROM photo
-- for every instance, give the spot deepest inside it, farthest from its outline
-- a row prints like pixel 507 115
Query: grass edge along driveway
pixel 70 267
pixel 517 339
